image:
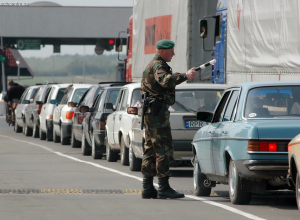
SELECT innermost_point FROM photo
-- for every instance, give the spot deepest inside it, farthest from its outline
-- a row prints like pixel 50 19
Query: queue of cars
pixel 241 136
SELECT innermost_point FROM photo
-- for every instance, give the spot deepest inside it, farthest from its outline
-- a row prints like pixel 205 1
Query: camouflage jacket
pixel 159 81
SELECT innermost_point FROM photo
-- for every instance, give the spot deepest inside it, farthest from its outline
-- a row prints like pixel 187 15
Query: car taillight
pixel 15 105
pixel 289 148
pixel 51 117
pixel 39 109
pixel 69 114
pixel 102 125
pixel 267 146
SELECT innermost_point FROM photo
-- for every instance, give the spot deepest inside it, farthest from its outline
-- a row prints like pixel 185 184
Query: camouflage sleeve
pixel 168 80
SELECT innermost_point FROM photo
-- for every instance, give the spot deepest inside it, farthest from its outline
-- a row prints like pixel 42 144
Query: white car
pixel 119 123
pixel 46 115
pixel 20 109
pixel 64 112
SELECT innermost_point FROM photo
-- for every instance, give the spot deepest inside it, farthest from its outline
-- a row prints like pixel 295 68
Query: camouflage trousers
pixel 158 145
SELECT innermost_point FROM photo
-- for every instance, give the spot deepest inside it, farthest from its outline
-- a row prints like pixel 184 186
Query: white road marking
pixel 228 208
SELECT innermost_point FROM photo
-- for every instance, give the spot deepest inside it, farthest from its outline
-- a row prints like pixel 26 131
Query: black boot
pixel 148 189
pixel 165 191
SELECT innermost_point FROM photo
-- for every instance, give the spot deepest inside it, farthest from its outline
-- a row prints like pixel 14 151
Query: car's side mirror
pixel 53 101
pixel 39 102
pixel 203 28
pixel 16 100
pixel 205 116
pixel 118 45
pixel 109 106
pixel 132 110
pixel 25 102
pixel 71 104
pixel 84 108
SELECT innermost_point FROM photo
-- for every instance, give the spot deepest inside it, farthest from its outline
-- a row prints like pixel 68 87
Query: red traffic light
pixel 111 41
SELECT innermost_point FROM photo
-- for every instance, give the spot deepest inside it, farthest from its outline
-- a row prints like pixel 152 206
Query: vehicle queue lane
pixel 102 189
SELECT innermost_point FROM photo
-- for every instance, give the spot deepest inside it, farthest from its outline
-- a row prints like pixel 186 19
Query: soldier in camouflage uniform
pixel 160 83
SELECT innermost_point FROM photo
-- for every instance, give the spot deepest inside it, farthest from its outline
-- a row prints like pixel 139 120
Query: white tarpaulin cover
pixel 263 37
pixel 176 20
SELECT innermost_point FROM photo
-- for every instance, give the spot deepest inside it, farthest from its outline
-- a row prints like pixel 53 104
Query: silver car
pixel 190 98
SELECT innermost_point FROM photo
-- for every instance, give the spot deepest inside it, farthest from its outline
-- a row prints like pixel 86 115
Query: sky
pixel 72 50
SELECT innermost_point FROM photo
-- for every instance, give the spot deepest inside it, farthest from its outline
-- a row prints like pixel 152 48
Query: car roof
pixel 261 84
pixel 133 85
pixel 80 85
pixel 201 86
pixel 112 87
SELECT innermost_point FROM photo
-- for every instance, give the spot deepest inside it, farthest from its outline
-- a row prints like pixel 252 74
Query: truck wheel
pixel 64 140
pixel 237 196
pixel 95 155
pixel 201 183
pixel 42 134
pixel 35 132
pixel 85 147
pixel 298 190
pixel 111 156
pixel 124 153
pixel 49 135
pixel 27 130
pixel 56 138
pixel 74 143
pixel 17 128
pixel 134 163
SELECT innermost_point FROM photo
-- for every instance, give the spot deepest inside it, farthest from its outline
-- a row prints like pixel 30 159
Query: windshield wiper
pixel 186 108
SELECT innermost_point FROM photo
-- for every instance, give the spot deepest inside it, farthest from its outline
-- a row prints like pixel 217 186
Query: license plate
pixel 194 124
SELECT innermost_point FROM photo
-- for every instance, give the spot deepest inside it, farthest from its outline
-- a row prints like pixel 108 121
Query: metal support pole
pixel 3 70
pixel 18 63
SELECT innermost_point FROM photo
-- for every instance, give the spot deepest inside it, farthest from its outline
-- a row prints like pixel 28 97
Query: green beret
pixel 165 44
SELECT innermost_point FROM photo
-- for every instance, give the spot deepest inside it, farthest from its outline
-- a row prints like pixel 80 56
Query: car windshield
pixel 78 93
pixel 273 102
pixel 196 100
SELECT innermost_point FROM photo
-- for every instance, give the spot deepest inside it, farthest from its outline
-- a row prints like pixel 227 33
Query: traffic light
pixel 2 55
pixel 111 43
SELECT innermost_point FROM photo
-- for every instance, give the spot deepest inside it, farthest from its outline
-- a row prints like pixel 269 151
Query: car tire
pixel 111 156
pixel 201 182
pixel 134 162
pixel 237 196
pixel 35 131
pixel 85 147
pixel 56 138
pixel 298 190
pixel 27 131
pixel 95 155
pixel 42 134
pixel 64 140
pixel 17 128
pixel 49 136
pixel 124 153
pixel 75 143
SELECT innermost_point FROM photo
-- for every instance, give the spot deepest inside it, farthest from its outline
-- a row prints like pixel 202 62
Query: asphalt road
pixel 44 180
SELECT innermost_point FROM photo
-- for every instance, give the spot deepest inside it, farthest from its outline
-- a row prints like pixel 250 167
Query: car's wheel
pixel 35 132
pixel 17 128
pixel 298 190
pixel 111 156
pixel 27 130
pixel 56 138
pixel 64 140
pixel 85 147
pixel 95 155
pixel 201 183
pixel 49 135
pixel 74 143
pixel 42 134
pixel 134 163
pixel 237 196
pixel 124 154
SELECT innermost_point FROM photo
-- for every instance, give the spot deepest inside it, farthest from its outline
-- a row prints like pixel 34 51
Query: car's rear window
pixel 60 94
pixel 273 102
pixel 78 93
pixel 196 100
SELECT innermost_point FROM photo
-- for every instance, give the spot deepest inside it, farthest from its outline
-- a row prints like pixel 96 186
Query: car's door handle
pixel 120 117
pixel 224 132
pixel 211 132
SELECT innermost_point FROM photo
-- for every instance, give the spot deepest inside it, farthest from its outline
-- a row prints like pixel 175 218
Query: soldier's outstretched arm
pixel 168 80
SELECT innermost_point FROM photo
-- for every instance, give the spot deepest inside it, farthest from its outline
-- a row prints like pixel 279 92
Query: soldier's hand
pixel 191 74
